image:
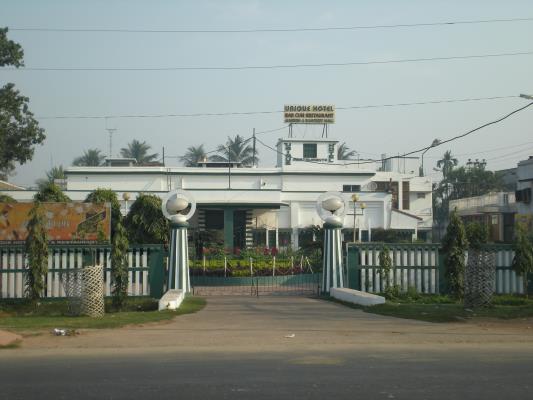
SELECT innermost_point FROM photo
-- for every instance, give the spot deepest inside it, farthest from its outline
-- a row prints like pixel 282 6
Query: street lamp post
pixel 355 198
pixel 435 142
pixel 362 206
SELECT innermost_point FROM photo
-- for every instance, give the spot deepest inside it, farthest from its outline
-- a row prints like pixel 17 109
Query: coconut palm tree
pixel 235 150
pixel 344 154
pixel 90 158
pixel 193 155
pixel 139 151
pixel 447 163
pixel 51 175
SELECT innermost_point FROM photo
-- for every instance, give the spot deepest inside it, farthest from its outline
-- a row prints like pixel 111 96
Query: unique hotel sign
pixel 309 114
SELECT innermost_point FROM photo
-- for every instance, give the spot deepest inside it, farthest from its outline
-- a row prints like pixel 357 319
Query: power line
pixel 492 150
pixel 265 67
pixel 271 30
pixel 440 143
pixel 471 99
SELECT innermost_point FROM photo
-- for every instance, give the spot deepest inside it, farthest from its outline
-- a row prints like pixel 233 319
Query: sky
pixel 370 131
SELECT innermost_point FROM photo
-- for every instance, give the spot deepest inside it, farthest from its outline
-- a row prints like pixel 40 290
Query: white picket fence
pixel 418 267
pixel 13 264
pixel 507 281
pixel 412 267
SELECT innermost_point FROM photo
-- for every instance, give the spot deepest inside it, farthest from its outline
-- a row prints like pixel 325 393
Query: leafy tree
pixel 235 150
pixel 37 251
pixel 49 191
pixel 139 151
pixel 454 245
pixel 19 131
pixel 90 158
pixel 459 182
pixel 447 163
pixel 523 259
pixel 477 234
pixel 5 198
pixel 344 152
pixel 145 222
pixel 119 244
pixel 193 155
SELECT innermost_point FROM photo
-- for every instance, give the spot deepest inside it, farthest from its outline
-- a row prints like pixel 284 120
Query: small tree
pixel 477 234
pixel 5 198
pixel 37 251
pixel 523 259
pixel 145 222
pixel 119 244
pixel 119 262
pixel 49 191
pixel 385 266
pixel 454 245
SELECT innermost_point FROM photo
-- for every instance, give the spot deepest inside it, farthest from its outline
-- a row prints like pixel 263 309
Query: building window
pixel 390 187
pixel 405 196
pixel 309 150
pixel 351 188
pixel 420 195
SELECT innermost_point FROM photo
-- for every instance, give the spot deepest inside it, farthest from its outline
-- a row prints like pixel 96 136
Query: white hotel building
pixel 273 206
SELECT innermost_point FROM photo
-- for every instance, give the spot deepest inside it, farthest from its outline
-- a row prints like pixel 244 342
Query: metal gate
pixel 250 278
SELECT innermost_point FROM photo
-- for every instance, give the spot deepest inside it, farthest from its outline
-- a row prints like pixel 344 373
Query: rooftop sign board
pixel 67 223
pixel 319 114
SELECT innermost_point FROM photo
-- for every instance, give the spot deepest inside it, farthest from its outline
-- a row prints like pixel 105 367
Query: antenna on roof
pixel 110 130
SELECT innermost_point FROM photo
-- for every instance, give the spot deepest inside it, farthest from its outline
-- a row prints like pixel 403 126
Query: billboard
pixel 309 114
pixel 67 223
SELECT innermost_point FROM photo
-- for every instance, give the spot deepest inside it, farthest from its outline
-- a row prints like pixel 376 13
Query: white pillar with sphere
pixel 331 207
pixel 178 207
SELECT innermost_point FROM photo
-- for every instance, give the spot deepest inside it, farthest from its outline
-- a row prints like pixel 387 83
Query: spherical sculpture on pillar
pixel 332 207
pixel 178 207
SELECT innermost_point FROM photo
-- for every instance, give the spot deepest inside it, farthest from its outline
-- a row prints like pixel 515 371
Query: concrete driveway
pixel 243 323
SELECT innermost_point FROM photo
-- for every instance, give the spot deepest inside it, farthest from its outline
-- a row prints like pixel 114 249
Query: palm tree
pixel 236 150
pixel 51 175
pixel 90 158
pixel 139 151
pixel 193 156
pixel 344 154
pixel 447 163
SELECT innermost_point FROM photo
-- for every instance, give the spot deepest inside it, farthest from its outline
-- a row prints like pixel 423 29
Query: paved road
pixel 236 348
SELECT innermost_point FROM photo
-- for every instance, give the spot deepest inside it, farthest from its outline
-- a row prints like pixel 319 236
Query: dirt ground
pixel 243 323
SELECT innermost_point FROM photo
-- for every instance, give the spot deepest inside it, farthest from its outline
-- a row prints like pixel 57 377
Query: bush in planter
pixel 454 246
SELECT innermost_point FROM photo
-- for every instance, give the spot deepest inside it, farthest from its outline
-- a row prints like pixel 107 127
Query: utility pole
pixel 253 163
pixel 163 156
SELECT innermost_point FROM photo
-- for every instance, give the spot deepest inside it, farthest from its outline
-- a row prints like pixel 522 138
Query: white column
pixel 266 238
pixel 277 238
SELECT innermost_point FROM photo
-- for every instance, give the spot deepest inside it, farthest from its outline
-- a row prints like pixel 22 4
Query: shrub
pixel 145 222
pixel 454 246
pixel 37 250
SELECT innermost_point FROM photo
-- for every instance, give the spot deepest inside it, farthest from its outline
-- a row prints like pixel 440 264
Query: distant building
pixel 494 210
pixel 499 211
pixel 524 188
pixel 274 206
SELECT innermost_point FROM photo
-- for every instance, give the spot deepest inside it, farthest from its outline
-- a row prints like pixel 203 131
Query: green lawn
pixel 434 308
pixel 53 314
